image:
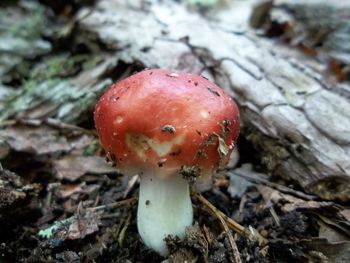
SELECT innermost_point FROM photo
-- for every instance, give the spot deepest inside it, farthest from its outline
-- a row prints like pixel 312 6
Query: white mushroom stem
pixel 164 209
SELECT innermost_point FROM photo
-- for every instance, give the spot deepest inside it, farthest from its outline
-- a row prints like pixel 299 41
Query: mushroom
pixel 174 130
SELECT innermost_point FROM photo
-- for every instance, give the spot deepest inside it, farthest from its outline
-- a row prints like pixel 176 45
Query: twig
pixel 131 183
pixel 219 215
pixel 235 226
pixel 241 205
pixel 7 123
pixel 207 235
pixel 97 200
pixel 258 180
pixel 235 252
pixel 251 233
pixel 114 204
pixel 108 216
pixel 56 123
pixel 275 216
pixel 123 231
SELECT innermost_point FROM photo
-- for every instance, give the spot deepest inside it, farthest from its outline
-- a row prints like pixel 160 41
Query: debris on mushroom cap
pixel 168 128
pixel 148 117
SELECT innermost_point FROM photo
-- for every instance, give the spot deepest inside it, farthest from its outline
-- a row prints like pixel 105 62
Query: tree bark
pixel 300 123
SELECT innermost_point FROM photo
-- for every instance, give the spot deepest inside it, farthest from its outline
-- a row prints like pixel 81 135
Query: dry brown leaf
pixel 83 225
pixel 272 196
pixel 346 214
pixel 310 205
pixel 330 233
pixel 68 190
pixel 72 167
pixel 238 186
pixel 334 227
pixel 41 139
pixel 338 252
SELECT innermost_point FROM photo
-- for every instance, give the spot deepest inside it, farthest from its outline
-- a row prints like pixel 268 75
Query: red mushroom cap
pixel 166 120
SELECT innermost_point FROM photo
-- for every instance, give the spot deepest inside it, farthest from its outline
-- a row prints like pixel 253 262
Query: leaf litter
pixel 76 195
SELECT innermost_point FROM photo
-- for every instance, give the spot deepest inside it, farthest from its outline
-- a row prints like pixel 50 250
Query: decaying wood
pixel 300 123
pixel 321 24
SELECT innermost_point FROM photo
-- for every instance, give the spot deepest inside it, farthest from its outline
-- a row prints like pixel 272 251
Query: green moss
pixel 48 232
pixel 54 89
pixel 30 25
pixel 62 65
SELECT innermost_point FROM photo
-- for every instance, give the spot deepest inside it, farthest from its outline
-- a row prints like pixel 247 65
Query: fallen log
pixel 298 121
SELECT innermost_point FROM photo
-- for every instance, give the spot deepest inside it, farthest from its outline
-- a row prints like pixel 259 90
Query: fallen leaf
pixel 238 186
pixel 272 196
pixel 330 233
pixel 82 226
pixel 37 138
pixel 311 205
pixel 67 190
pixel 338 252
pixel 333 225
pixel 346 214
pixel 72 167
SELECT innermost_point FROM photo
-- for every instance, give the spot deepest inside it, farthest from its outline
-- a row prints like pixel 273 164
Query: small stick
pixel 97 200
pixel 234 249
pixel 251 177
pixel 123 231
pixel 207 235
pixel 62 125
pixel 7 123
pixel 131 183
pixel 275 216
pixel 216 212
pixel 250 233
pixel 235 226
pixel 114 204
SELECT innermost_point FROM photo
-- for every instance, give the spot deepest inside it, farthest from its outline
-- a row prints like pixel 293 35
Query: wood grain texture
pixel 300 123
